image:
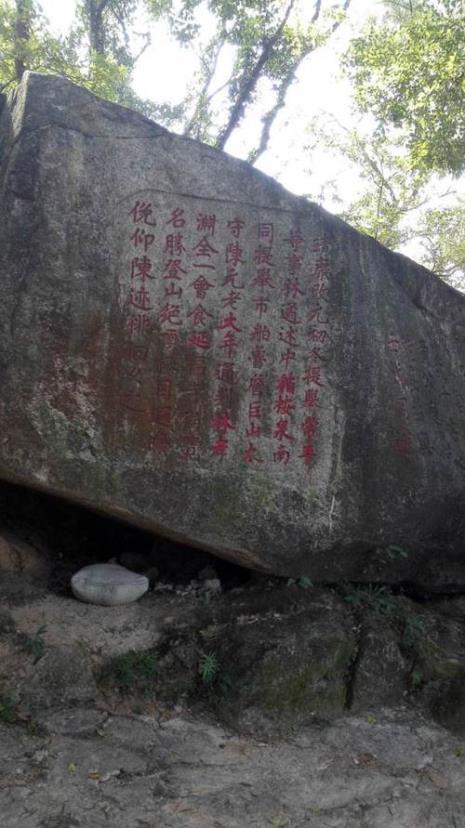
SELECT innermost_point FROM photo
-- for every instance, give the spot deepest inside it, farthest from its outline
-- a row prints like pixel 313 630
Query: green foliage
pixel 442 233
pixel 381 600
pixel 416 679
pixel 392 206
pixel 408 73
pixel 268 39
pixel 391 189
pixel 303 582
pixel 373 597
pixel 209 668
pixel 34 645
pixel 7 710
pixel 37 50
pixel 390 554
pixel 414 631
pixel 396 553
pixel 133 672
pixel 107 71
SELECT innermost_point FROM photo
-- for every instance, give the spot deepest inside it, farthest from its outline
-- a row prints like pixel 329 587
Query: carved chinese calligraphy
pixel 231 288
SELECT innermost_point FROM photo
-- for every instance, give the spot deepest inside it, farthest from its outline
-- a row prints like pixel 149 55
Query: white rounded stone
pixel 108 585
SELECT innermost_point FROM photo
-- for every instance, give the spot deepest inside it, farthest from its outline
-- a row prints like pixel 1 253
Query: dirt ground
pixel 221 699
pixel 74 756
pixel 91 769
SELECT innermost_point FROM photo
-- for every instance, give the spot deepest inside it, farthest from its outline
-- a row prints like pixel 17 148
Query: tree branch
pixel 270 117
pixel 337 23
pixel 148 40
pixel 100 7
pixel 250 81
pixel 317 11
pixel 218 90
pixel 203 99
pixel 377 170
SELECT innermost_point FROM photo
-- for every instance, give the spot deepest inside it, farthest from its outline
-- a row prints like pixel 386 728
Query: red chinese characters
pixel 318 335
pixel 173 274
pixel 237 310
pixel 263 287
pixel 290 326
pixel 136 297
pixel 204 257
pixel 229 333
pixel 138 322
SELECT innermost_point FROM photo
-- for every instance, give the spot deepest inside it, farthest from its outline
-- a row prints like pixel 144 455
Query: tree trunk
pixel 21 36
pixel 96 31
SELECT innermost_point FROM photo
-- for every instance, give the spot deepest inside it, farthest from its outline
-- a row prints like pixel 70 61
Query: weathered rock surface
pixel 35 676
pixel 282 657
pixel 90 770
pixel 108 585
pixel 186 345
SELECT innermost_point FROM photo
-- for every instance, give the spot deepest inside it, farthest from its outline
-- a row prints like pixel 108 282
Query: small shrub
pixel 131 672
pixel 33 728
pixel 410 624
pixel 7 710
pixel 304 582
pixel 34 645
pixel 209 667
pixel 416 680
pixel 377 598
pixel 413 630
pixel 394 553
pixel 391 553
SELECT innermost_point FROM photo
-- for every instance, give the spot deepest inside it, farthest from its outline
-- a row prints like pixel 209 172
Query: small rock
pixel 207 574
pixel 18 556
pixel 108 585
pixel 212 585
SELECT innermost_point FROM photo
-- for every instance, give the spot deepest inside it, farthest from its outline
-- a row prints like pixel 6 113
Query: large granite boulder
pixel 187 346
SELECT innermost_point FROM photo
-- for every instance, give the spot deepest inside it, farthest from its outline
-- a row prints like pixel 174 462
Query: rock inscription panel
pixel 224 332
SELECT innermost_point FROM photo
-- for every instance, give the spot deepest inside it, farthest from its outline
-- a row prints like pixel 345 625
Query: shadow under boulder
pixel 48 539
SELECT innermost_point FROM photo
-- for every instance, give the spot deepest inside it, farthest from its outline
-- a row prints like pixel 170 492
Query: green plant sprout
pixel 208 668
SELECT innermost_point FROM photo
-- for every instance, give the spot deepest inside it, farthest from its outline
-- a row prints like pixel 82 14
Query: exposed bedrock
pixel 188 346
